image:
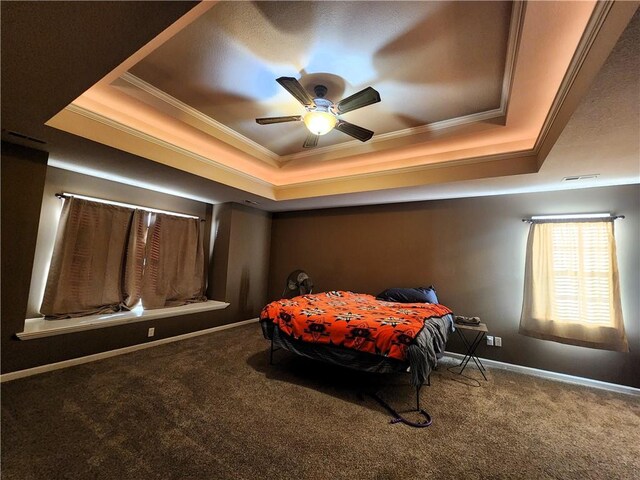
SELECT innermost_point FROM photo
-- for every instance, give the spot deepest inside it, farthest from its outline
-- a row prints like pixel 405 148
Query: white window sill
pixel 39 327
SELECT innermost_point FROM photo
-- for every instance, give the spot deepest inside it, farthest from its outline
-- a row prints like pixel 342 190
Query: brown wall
pixel 58 181
pixel 239 270
pixel 473 251
pixel 245 255
pixel 20 213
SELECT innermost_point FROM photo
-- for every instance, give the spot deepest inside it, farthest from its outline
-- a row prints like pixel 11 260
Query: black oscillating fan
pixel 298 283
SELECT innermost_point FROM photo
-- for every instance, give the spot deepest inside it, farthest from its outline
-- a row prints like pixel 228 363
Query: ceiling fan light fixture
pixel 322 113
pixel 320 123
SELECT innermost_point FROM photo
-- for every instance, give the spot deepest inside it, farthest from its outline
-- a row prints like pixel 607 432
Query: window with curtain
pixel 109 258
pixel 174 267
pixel 572 291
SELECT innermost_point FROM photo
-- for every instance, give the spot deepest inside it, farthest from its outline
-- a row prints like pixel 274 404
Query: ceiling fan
pixel 322 114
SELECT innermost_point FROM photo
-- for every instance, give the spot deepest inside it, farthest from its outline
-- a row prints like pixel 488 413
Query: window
pixel 103 263
pixel 572 292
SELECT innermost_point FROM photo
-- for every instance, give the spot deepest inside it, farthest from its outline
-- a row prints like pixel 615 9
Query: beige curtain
pixel 572 291
pixel 96 265
pixel 175 266
pixel 135 259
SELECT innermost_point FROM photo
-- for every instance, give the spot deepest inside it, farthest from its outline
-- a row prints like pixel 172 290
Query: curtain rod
pixel 572 218
pixel 128 205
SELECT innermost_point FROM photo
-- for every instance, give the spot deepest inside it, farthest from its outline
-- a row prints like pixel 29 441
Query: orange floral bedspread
pixel 352 320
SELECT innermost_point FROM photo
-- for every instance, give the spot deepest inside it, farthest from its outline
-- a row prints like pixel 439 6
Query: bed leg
pixel 271 352
pixel 418 397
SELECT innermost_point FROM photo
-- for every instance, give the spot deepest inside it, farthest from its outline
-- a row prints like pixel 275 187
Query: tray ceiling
pixel 469 90
pixel 430 62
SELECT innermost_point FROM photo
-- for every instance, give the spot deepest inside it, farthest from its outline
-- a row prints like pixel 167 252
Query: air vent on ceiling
pixel 251 202
pixel 581 177
pixel 25 137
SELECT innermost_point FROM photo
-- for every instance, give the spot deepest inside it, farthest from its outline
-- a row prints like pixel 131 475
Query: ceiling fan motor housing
pixel 320 91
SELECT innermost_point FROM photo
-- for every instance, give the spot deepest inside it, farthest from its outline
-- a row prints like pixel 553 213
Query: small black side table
pixel 481 330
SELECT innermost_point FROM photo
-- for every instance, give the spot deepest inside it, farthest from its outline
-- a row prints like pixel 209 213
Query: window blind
pixel 572 292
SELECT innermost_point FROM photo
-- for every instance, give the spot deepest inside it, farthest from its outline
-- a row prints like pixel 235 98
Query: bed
pixel 358 331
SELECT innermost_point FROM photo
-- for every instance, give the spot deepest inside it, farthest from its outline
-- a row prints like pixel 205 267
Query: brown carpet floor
pixel 212 407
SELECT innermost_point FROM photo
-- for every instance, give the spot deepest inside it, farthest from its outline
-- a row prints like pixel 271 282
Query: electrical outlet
pixel 498 341
pixel 490 340
pixel 152 332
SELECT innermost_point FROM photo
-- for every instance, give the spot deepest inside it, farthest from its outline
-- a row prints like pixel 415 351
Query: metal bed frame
pixel 397 417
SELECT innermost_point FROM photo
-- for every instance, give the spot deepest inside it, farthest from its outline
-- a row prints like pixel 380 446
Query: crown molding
pixel 607 22
pixel 407 132
pixel 192 14
pixel 597 20
pixel 513 47
pixel 413 169
pixel 453 171
pixel 264 188
pixel 254 148
pixel 607 19
pixel 258 151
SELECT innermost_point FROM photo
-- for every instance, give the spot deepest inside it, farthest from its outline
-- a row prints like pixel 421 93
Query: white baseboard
pixel 561 377
pixel 112 353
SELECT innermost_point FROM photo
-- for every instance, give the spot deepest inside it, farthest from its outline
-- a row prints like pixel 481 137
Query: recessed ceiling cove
pixel 430 61
pixel 469 90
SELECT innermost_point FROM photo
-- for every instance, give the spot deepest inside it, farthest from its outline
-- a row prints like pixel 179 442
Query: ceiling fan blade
pixel 358 100
pixel 294 87
pixel 311 141
pixel 355 131
pixel 269 120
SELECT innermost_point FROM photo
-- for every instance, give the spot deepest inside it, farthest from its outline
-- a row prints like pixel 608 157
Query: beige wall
pixel 473 251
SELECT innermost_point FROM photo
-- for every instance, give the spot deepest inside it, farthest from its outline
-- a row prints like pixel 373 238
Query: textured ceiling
pixel 559 49
pixel 602 137
pixel 430 61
